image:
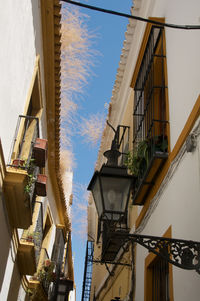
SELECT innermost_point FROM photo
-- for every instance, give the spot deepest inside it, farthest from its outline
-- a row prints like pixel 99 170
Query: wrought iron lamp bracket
pixel 97 261
pixel 184 254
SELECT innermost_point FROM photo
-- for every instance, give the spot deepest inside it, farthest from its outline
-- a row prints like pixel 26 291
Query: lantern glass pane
pixel 62 288
pixel 116 194
pixel 96 192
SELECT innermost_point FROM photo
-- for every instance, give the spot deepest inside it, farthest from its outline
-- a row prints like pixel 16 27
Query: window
pixel 158 277
pixel 150 112
pixel 27 129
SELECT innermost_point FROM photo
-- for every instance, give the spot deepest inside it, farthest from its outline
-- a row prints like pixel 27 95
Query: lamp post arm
pixel 184 254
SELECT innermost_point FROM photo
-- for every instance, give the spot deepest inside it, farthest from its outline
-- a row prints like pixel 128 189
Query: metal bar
pixel 29 117
pixel 20 145
pixel 113 262
pixel 110 273
pixel 67 249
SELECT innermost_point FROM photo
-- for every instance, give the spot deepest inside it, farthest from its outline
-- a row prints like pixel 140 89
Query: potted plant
pixel 40 152
pixel 41 185
pixel 18 163
pixel 28 236
pixel 46 273
pixel 30 184
pixel 160 143
pixel 137 160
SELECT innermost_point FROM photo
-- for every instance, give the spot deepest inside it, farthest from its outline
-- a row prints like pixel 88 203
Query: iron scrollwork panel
pixel 184 254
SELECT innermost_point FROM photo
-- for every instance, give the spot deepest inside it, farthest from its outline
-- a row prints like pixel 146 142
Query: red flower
pixel 47 263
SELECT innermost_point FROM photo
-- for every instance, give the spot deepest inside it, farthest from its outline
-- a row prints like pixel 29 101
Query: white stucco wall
pixel 21 36
pixel 183 62
pixel 17 59
pixel 178 205
pixel 17 55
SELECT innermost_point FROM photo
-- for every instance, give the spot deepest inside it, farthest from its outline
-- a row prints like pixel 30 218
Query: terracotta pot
pixel 29 239
pixel 40 152
pixel 18 163
pixel 41 185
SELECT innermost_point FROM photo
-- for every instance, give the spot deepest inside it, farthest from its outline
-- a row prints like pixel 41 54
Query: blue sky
pixel 110 32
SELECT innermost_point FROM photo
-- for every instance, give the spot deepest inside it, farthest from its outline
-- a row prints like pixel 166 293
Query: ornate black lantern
pixel 64 287
pixel 111 191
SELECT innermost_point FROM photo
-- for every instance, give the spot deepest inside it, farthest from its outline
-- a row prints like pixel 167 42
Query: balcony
pixel 147 161
pixel 40 284
pixel 30 247
pixel 36 291
pixel 21 171
pixel 63 282
pixel 110 244
pixel 26 257
pixel 150 118
pixel 53 280
pixel 17 202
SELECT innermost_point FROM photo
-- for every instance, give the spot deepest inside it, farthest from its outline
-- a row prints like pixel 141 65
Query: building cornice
pixel 51 24
pixel 118 97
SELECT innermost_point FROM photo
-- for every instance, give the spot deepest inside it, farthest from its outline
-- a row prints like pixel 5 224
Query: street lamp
pixel 64 287
pixel 111 191
pixel 111 188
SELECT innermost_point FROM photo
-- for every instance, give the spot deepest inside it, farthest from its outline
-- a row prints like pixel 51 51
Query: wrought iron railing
pixel 110 245
pixel 87 279
pixel 45 281
pixel 26 133
pixel 27 130
pixel 120 142
pixel 122 135
pixel 38 234
pixel 149 116
pixel 57 257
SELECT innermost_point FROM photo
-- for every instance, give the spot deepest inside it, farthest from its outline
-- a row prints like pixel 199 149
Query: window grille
pixel 160 280
pixel 150 133
pixel 26 132
pixel 149 104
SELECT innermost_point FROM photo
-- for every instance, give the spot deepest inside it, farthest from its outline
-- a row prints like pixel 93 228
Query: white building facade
pixel 35 226
pixel 156 93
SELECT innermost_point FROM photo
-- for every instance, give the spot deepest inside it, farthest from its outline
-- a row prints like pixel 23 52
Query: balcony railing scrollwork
pixel 27 156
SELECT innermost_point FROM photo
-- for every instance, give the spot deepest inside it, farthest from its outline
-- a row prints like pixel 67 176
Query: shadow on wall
pixel 5 240
pixel 15 284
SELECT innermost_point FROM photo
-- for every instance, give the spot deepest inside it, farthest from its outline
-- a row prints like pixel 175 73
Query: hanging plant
pixel 138 159
pixel 28 236
pixel 46 273
pixel 161 143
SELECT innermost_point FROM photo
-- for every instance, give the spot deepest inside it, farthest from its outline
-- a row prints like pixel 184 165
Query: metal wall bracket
pixel 184 254
pixel 113 262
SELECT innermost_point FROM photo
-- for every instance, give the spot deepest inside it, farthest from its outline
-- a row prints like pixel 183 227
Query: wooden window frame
pixel 150 259
pixel 33 107
pixel 148 175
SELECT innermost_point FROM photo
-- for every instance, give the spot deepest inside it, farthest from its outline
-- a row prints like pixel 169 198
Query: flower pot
pixel 40 185
pixel 18 163
pixel 40 152
pixel 29 239
pixel 47 263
